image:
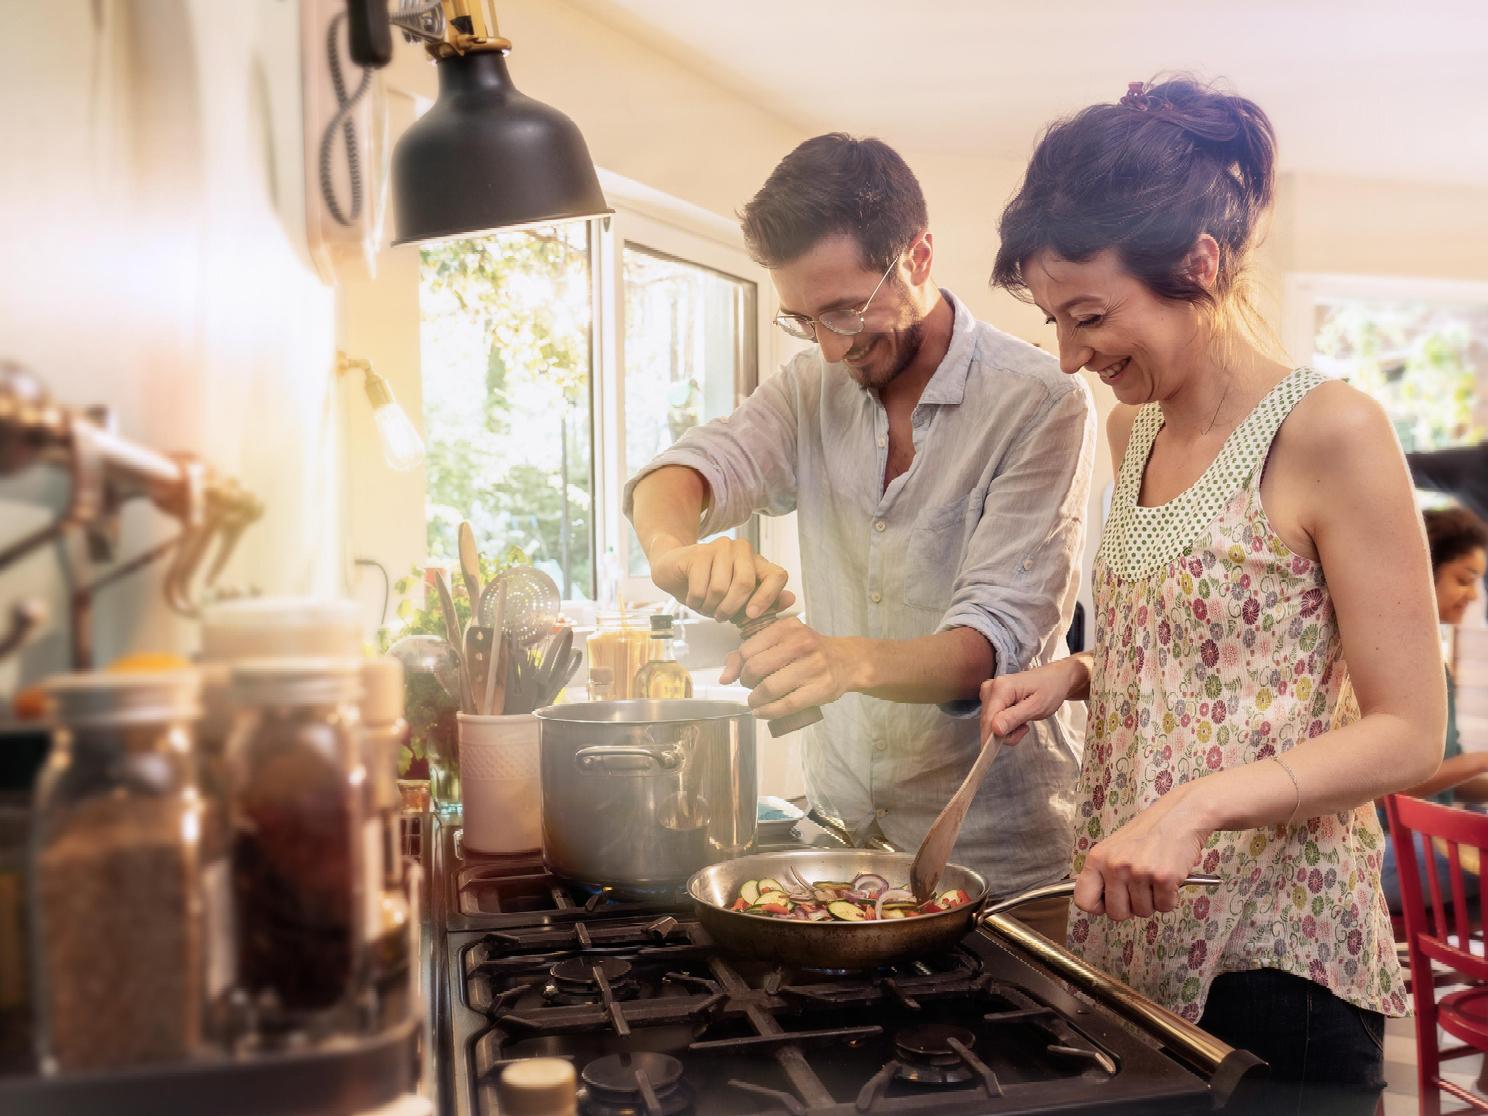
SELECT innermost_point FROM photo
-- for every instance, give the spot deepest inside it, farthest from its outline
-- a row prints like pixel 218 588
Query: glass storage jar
pixel 621 645
pixel 128 887
pixel 297 787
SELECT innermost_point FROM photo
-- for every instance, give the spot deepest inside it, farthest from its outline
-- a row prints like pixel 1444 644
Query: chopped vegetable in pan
pixel 866 898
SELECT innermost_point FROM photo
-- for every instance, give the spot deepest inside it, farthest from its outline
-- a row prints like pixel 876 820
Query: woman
pixel 1262 530
pixel 1459 555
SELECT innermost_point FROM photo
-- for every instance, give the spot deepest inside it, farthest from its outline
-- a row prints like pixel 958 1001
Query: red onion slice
pixel 893 894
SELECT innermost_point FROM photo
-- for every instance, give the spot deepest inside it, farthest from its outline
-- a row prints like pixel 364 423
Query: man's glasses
pixel 845 323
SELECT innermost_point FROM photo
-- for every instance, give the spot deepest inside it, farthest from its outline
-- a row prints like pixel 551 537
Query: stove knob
pixel 538 1087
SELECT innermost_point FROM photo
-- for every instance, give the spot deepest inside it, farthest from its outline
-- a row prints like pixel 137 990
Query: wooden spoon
pixel 470 567
pixel 935 849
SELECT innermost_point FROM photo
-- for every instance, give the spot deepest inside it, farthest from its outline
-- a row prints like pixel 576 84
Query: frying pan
pixel 847 945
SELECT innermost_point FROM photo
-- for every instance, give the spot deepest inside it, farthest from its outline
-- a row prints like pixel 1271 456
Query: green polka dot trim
pixel 1138 541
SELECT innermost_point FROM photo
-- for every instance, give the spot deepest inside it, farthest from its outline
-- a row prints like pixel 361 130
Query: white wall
pixel 150 194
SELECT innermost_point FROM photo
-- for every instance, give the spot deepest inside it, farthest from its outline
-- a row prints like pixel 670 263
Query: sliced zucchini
pixel 775 909
pixel 779 898
pixel 844 911
pixel 749 891
pixel 767 884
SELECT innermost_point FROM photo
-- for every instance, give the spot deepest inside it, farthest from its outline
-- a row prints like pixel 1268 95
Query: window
pixel 688 356
pixel 507 359
pixel 1420 348
pixel 558 361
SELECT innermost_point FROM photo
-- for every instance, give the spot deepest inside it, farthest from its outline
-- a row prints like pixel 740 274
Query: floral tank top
pixel 1216 646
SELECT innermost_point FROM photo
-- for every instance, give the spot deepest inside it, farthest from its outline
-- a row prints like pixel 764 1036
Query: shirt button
pixel 882 441
pixel 875 596
pixel 879 813
pixel 1027 564
pixel 881 746
pixel 879 525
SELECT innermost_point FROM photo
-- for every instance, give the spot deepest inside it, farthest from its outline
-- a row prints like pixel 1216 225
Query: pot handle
pixel 1067 888
pixel 627 761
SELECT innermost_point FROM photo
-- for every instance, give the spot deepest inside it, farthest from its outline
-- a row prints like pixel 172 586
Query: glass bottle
pixel 386 918
pixel 130 932
pixel 662 678
pixel 299 803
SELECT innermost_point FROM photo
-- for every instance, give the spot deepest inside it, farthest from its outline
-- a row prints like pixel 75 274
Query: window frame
pixel 659 223
pixel 665 226
pixel 1303 292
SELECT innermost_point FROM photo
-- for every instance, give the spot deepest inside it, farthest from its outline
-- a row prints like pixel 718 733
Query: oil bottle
pixel 662 678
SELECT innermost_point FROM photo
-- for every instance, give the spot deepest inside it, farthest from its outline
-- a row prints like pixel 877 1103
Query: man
pixel 940 470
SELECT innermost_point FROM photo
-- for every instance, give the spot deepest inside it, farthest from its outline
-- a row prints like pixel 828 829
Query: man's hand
pixel 720 578
pixel 791 667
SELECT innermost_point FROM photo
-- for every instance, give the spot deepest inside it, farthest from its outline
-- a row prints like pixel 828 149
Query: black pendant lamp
pixel 486 157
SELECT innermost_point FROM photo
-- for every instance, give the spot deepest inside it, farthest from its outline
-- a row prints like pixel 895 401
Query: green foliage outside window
pixel 1419 360
pixel 506 357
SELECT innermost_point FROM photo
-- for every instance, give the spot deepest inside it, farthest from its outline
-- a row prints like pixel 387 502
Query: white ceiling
pixel 1387 89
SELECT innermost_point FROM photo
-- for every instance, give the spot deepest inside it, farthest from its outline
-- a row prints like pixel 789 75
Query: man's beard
pixel 907 342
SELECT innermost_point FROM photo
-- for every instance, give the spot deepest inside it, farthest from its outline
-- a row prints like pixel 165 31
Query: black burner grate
pixel 659 1022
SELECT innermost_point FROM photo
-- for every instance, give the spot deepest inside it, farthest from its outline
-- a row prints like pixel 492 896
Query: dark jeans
pixel 1326 1055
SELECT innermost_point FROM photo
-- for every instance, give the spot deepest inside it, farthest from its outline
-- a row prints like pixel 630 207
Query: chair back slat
pixel 1459 894
pixel 1437 908
pixel 1437 920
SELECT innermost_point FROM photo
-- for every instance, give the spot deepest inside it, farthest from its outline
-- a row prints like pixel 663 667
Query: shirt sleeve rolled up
pixel 1023 560
pixel 748 458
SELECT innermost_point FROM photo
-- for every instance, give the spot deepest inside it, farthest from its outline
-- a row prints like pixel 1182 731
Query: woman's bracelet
pixel 1296 787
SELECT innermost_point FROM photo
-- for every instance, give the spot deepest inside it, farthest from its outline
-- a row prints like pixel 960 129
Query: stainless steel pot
pixel 640 794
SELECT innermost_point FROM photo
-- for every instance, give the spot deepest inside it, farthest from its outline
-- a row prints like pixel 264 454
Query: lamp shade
pixel 488 157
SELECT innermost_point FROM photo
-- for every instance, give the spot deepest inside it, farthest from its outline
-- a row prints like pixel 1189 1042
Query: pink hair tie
pixel 1136 96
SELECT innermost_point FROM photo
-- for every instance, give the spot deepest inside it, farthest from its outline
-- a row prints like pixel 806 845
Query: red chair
pixel 1439 931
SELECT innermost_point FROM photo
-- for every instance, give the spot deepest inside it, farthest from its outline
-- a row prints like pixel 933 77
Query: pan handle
pixel 1067 888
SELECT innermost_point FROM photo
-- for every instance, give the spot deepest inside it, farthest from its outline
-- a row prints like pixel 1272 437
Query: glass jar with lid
pixel 621 645
pixel 128 891
pixel 297 787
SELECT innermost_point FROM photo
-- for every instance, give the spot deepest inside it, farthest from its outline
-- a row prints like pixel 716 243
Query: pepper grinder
pixel 748 629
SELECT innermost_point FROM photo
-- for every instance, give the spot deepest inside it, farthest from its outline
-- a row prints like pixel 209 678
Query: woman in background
pixel 1459 557
pixel 1262 530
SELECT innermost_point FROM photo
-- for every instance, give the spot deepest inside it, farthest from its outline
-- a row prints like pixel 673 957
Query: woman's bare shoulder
pixel 1118 430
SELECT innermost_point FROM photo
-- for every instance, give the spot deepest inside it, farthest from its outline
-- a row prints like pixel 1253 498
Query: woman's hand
pixel 1137 870
pixel 1011 702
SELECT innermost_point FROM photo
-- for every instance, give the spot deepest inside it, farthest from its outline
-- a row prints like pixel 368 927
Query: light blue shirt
pixel 983 531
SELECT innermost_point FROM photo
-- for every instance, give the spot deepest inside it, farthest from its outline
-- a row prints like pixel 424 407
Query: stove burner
pixel 926 1056
pixel 635 1084
pixel 575 981
pixel 597 896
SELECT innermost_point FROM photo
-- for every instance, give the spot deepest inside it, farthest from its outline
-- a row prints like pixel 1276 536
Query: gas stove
pixel 658 1021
